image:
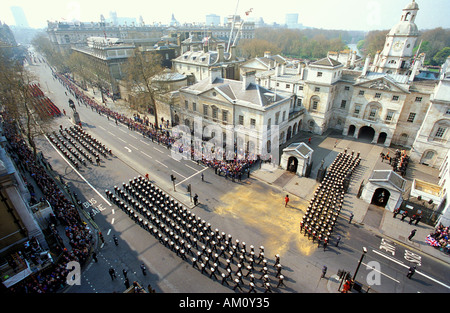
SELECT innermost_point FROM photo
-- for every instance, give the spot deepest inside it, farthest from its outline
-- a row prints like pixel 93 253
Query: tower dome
pixel 412 6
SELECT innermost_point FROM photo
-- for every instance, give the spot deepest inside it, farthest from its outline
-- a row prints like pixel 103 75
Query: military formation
pixel 324 208
pixel 78 146
pixel 214 253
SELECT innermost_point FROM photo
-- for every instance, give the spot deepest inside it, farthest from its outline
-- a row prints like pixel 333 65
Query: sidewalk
pixel 363 212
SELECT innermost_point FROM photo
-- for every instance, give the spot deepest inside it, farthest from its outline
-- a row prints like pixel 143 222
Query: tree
pixel 141 68
pixel 18 101
pixel 440 57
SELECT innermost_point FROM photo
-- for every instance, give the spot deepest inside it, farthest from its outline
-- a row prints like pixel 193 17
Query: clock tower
pixel 396 56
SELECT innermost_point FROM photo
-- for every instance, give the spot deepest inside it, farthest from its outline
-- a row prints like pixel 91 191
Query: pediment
pixel 382 84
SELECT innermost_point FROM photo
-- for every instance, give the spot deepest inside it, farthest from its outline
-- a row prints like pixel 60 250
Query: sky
pixel 363 15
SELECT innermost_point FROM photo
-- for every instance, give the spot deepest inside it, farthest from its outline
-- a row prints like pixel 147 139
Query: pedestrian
pixel 324 271
pixel 413 232
pixel 195 199
pixel 116 241
pixel 325 243
pixel 94 256
pixel 286 200
pixel 203 177
pixel 124 271
pixel 396 212
pixel 411 219
pixel 351 218
pixel 127 283
pixel 411 271
pixel 144 269
pixel 112 273
pixel 338 239
pixel 309 140
pixel 419 217
pixel 101 237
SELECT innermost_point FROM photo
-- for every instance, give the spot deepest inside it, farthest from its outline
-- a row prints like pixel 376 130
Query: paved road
pixel 252 211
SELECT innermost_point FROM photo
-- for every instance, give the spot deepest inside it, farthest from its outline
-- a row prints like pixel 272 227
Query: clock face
pixel 398 45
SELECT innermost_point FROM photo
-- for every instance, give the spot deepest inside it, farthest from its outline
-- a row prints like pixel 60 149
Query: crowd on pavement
pixel 78 234
pixel 439 238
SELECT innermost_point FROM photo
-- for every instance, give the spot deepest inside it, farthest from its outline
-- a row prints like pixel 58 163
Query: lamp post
pixel 359 263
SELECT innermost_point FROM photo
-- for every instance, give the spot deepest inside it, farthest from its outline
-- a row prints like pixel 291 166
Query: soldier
pixel 224 279
pixel 278 270
pixel 277 259
pixel 236 281
pixel 252 288
pixel 194 263
pixel 411 271
pixel 116 241
pixel 280 281
pixel 112 273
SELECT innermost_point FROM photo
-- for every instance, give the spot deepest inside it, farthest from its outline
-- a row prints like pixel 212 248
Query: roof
pixel 327 62
pixel 300 148
pixel 254 96
pixel 390 177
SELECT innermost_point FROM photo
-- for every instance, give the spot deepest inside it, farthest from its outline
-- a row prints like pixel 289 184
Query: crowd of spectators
pixel 76 230
pixel 439 238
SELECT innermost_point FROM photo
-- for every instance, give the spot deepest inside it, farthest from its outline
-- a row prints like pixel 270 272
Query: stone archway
pixel 382 138
pixel 351 130
pixel 292 164
pixel 380 197
pixel 366 133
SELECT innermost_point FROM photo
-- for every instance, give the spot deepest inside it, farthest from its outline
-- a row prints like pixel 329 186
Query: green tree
pixel 440 57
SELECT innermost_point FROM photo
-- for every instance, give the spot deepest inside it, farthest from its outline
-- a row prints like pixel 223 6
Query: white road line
pixel 134 147
pixel 144 142
pixel 162 164
pixel 132 136
pixel 121 139
pixel 123 130
pixel 170 156
pixel 102 127
pixel 112 221
pixel 157 150
pixel 192 176
pixel 146 155
pixel 179 174
pixel 78 173
pixel 109 231
pixel 407 266
pixel 128 149
pixel 112 133
pixel 191 167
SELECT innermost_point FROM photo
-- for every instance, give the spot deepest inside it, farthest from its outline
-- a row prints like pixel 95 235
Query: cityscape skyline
pixel 367 15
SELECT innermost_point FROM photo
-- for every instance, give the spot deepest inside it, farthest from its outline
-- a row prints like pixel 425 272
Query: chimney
pixel 247 78
pixel 366 66
pixel 220 50
pixel 417 65
pixel 214 73
pixel 353 59
pixel 232 53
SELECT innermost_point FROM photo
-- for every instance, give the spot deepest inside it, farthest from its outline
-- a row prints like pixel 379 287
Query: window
pixel 394 98
pixel 241 120
pixel 378 95
pixel 343 103
pixel 277 118
pixel 440 132
pixel 319 74
pixel 373 114
pixel 284 116
pixel 225 116
pixel 315 104
pixel 418 99
pixel 300 87
pixel 357 109
pixel 215 112
pixel 186 104
pixel 288 86
pixel 361 93
pixel 252 122
pixel 389 116
pixel 317 89
pixel 194 106
pixel 411 117
pixel 205 109
pixel 269 123
pixel 346 88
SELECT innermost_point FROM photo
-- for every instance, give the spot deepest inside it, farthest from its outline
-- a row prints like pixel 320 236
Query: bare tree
pixel 141 69
pixel 18 100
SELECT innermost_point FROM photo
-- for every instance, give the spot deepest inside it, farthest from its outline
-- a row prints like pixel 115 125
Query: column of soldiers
pixel 209 250
pixel 324 208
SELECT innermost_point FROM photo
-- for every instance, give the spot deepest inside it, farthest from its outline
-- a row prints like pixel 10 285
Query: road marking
pixel 129 150
pixel 109 231
pixel 157 150
pixel 179 174
pixel 123 130
pixel 191 167
pixel 146 154
pixel 161 163
pixel 102 127
pixel 78 173
pixel 192 176
pixel 407 266
pixel 121 139
pixel 144 142
pixel 170 156
pixel 112 133
pixel 112 221
pixel 134 147
pixel 132 136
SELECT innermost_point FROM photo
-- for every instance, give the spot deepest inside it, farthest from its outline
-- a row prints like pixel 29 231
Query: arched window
pixel 314 103
pixel 439 131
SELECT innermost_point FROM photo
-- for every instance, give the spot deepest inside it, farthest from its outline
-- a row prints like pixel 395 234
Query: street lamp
pixel 359 263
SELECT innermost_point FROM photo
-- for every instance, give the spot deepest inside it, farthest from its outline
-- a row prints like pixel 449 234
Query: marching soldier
pixel 280 281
